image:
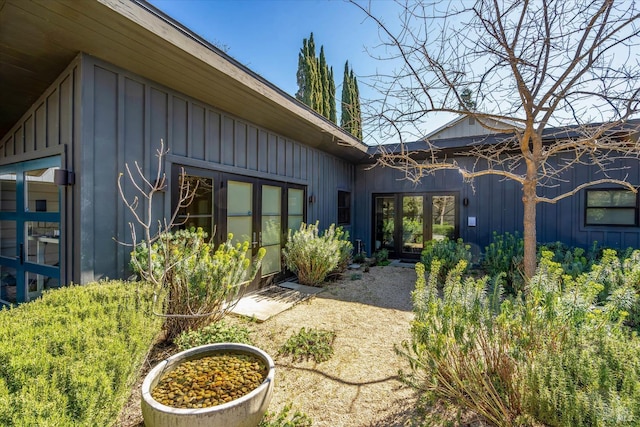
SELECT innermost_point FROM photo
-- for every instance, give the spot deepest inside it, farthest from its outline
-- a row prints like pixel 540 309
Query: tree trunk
pixel 529 202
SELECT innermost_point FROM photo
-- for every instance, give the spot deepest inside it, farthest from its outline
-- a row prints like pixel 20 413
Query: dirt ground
pixel 359 386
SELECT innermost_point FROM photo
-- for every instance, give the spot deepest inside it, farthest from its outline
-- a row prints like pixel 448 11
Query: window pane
pixel 271 260
pixel 200 212
pixel 271 204
pixel 239 198
pixel 42 244
pixel 412 224
pixel 294 222
pixel 203 222
pixel 443 217
pixel 296 202
pixel 611 198
pixel 602 216
pixel 385 213
pixel 270 230
pixel 8 237
pixel 344 207
pixel 8 192
pixel 42 192
pixel 8 284
pixel 241 228
pixel 296 209
pixel 36 283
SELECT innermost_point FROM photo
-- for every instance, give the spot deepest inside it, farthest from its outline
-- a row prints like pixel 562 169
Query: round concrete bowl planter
pixel 246 411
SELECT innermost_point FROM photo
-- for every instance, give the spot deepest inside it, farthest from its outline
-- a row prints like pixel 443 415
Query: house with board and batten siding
pixel 89 87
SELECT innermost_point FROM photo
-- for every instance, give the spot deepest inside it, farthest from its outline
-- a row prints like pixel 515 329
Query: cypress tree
pixel 357 113
pixel 324 84
pixel 332 98
pixel 316 87
pixel 351 118
pixel 345 117
pixel 302 75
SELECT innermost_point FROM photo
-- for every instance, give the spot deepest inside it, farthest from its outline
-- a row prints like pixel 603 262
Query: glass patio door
pixel 259 211
pixel 412 225
pixel 271 228
pixel 29 230
pixel 384 222
pixel 403 222
pixel 240 220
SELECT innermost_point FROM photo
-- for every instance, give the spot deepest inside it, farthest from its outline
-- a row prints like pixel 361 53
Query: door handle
pixel 254 243
pixel 21 255
pixel 260 238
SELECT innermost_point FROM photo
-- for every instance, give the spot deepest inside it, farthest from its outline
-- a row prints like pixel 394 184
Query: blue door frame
pixel 19 261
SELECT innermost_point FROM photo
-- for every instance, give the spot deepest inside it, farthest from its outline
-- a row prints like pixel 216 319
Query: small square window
pixel 611 207
pixel 344 208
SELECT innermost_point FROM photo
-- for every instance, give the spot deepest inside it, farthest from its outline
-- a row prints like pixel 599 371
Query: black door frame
pixel 220 199
pixel 397 218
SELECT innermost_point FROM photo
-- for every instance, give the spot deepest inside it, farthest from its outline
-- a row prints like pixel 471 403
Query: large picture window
pixel 611 207
pixel 344 208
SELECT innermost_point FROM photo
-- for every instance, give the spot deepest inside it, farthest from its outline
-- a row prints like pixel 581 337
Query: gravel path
pixel 359 385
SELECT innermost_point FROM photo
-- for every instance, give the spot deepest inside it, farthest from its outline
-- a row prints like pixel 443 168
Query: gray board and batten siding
pixel 126 116
pixel 99 117
pixel 496 204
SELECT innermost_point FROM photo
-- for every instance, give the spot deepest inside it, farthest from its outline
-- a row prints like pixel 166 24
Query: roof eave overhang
pixel 139 38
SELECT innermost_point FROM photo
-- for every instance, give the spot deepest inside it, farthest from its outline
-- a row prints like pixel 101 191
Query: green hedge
pixel 70 357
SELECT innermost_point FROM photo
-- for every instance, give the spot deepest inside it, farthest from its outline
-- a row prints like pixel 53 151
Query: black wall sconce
pixel 312 199
pixel 64 177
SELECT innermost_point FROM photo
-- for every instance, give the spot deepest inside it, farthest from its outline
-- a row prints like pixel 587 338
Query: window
pixel 344 207
pixel 295 209
pixel 199 213
pixel 611 207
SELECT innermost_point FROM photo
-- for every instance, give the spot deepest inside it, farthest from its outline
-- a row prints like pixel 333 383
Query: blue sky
pixel 266 35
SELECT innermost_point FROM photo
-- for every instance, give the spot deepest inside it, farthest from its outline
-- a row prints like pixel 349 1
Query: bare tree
pixel 153 228
pixel 534 66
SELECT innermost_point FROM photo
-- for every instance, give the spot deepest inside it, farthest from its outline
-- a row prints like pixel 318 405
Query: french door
pixel 254 210
pixel 404 222
pixel 29 230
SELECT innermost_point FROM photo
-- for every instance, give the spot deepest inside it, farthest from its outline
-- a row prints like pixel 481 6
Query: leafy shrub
pixel 316 344
pixel 505 254
pixel 312 257
pixel 555 356
pixel 71 357
pixel 214 333
pixel 285 419
pixel 359 258
pixel 449 252
pixel 200 284
pixel 574 261
pixel 381 257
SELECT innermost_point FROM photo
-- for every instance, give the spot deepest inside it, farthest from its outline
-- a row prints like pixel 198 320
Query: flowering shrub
pixel 559 355
pixel 201 284
pixel 448 252
pixel 312 257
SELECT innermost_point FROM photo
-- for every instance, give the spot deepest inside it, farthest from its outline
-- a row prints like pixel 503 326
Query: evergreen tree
pixel 345 117
pixel 316 87
pixel 357 113
pixel 324 82
pixel 351 118
pixel 307 85
pixel 333 115
pixel 467 102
